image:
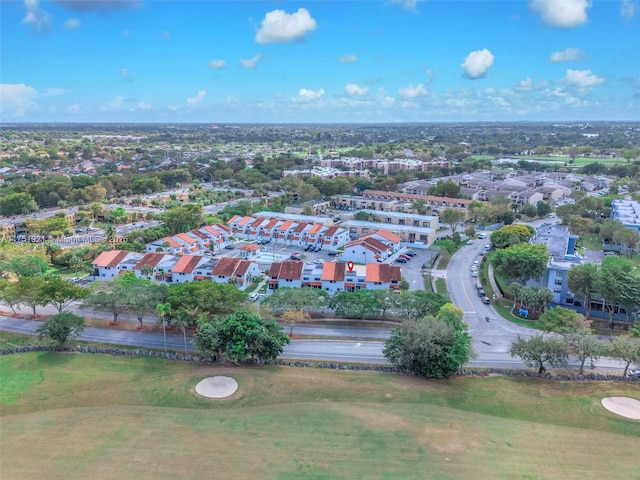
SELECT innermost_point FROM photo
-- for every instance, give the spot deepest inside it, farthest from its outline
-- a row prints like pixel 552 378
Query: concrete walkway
pixel 492 281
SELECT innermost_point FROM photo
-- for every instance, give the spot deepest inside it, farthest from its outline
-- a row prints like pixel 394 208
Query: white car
pixel 635 373
pixel 253 297
pixel 319 261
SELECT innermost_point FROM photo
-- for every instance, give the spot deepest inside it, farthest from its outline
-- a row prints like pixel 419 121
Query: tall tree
pixel 62 327
pixel 539 350
pixel 626 348
pixel 429 347
pixel 522 262
pixel 581 280
pixel 612 282
pixel 512 234
pixel 583 344
pixel 182 218
pixel 452 217
pixel 61 293
pixel 109 296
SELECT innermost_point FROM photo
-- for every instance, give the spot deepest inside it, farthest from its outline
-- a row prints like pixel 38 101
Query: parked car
pixel 317 249
pixel 308 247
pixel 478 286
pixel 487 247
pixel 482 236
pixel 469 242
pixel 425 266
pixel 294 257
pixel 474 274
pixel 401 260
pixel 481 293
pixel 635 373
pixel 486 300
pixel 319 261
pixel 229 247
pixel 406 257
pixel 253 297
pixel 411 253
pixel 333 253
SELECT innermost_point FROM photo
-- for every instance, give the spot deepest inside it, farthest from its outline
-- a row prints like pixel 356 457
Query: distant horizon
pixel 428 122
pixel 319 62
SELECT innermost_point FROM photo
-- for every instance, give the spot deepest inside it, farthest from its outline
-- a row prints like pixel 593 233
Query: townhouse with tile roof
pixel 238 271
pixel 366 250
pixel 107 264
pixel 184 269
pixel 333 277
pixel 285 274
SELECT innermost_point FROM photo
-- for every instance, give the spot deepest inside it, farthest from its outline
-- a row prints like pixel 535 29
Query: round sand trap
pixel 624 406
pixel 216 387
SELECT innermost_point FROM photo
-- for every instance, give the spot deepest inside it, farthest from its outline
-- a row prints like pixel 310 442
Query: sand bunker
pixel 624 406
pixel 216 387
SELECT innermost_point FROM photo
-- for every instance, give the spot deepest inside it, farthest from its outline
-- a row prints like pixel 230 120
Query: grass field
pixel 71 416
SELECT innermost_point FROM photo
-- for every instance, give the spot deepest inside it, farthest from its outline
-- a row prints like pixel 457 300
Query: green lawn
pixel 101 417
pixel 441 287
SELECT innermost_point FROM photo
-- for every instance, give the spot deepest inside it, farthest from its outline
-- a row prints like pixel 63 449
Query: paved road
pixel 324 350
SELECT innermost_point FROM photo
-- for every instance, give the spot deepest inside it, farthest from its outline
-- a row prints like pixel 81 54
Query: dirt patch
pixel 624 406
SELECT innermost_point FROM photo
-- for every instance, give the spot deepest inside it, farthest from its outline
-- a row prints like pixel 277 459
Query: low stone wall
pixel 562 376
pixel 134 352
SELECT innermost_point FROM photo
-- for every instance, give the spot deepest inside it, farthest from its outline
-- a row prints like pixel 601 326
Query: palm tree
pixel 147 270
pixel 110 232
pixel 182 321
pixel 164 309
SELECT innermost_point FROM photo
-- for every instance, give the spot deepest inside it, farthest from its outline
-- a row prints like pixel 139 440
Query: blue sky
pixel 323 61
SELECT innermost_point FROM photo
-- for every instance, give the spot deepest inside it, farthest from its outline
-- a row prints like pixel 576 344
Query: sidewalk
pixel 492 282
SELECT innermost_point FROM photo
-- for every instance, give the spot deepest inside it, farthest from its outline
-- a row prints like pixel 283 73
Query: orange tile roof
pixel 300 228
pixel 387 235
pixel 211 230
pixel 316 228
pixel 287 270
pixel 186 264
pixel 244 221
pixel 226 266
pixel 257 223
pixel 111 258
pixel 222 227
pixel 249 247
pixel 186 238
pixel 233 219
pixel 383 273
pixel 149 259
pixel 171 242
pixel 333 271
pixel 285 226
pixel 369 243
pixel 199 234
pixel 271 224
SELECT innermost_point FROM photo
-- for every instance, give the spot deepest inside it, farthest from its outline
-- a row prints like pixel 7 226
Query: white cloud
pixel 72 24
pixel 562 13
pixel 583 78
pixel 406 5
pixel 216 64
pixel 16 99
pixel 74 109
pixel 164 35
pixel 126 34
pixel 526 84
pixel 348 59
pixel 628 9
pixel 477 63
pixel 252 63
pixel 39 20
pixel 113 105
pixel 412 92
pixel 124 73
pixel 306 95
pixel 144 106
pixel 568 55
pixel 355 89
pixel 197 99
pixel 279 26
